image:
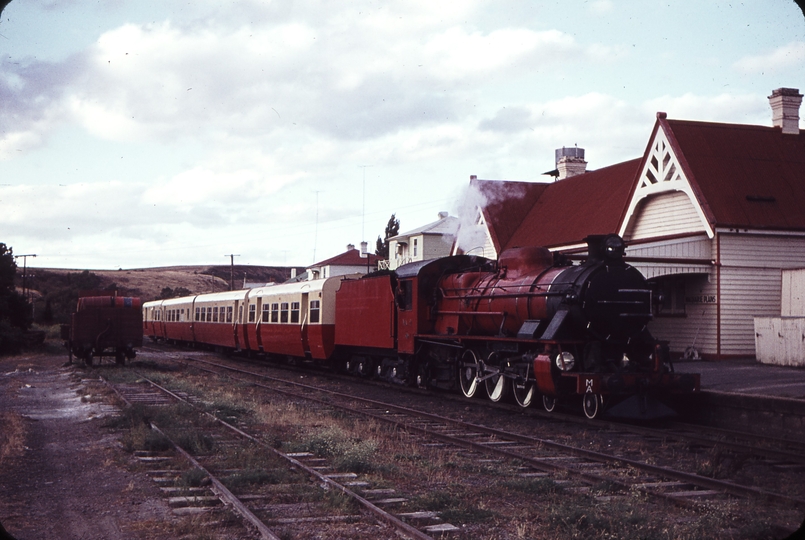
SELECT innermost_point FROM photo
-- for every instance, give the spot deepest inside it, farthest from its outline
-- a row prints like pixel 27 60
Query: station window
pixel 228 313
pixel 672 296
pixel 315 306
pixel 275 312
pixel 266 312
pixel 294 312
pixel 198 313
pixel 284 312
pixel 215 314
pixel 252 312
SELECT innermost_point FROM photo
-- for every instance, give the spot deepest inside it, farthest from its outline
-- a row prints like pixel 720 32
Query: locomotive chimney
pixel 570 162
pixel 785 104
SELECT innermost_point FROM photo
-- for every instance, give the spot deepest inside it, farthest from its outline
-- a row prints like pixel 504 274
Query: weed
pixel 193 478
pixel 194 442
pixel 534 486
pixel 453 507
pixel 249 477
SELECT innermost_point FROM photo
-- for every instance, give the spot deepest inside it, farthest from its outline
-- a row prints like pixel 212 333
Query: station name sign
pixel 701 299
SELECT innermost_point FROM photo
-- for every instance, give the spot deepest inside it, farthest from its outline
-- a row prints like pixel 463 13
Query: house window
pixel 315 306
pixel 294 312
pixel 671 290
pixel 228 313
pixel 284 312
pixel 415 247
pixel 252 312
pixel 266 312
pixel 275 313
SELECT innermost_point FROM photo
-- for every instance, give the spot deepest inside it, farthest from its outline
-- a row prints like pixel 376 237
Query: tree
pixel 15 313
pixel 392 230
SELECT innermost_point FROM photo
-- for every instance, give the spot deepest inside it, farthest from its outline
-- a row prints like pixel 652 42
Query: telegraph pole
pixel 24 272
pixel 231 270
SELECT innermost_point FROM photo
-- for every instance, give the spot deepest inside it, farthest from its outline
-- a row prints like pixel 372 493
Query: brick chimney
pixel 785 109
pixel 570 162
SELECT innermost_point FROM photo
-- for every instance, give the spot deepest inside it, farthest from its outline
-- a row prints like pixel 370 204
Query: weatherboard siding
pixel 751 284
pixel 665 214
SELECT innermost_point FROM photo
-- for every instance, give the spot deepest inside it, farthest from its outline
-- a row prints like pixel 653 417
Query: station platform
pixel 747 377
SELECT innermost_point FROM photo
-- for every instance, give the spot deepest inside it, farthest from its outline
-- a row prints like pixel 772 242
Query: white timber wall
pixel 780 340
pixel 793 301
pixel 664 215
pixel 751 284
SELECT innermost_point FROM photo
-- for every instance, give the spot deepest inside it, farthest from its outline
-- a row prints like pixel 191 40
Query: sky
pixel 143 134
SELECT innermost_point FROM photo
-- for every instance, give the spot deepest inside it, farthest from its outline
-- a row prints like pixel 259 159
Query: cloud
pixel 785 58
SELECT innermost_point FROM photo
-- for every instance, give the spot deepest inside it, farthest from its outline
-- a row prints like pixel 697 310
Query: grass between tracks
pixel 488 499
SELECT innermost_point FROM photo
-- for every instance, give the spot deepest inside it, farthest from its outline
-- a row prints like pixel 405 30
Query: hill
pixel 54 291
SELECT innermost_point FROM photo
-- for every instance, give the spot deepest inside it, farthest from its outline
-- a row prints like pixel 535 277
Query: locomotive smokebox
pixel 605 247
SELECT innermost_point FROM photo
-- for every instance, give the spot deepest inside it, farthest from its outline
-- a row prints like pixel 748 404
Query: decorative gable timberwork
pixel 663 203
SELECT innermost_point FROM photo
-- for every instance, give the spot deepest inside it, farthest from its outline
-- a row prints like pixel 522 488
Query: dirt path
pixel 62 474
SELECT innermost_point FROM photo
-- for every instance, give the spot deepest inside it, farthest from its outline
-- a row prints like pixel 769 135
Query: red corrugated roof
pixel 571 209
pixel 351 257
pixel 749 176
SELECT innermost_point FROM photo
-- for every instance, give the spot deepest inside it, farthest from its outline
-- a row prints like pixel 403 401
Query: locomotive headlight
pixel 565 361
pixel 625 361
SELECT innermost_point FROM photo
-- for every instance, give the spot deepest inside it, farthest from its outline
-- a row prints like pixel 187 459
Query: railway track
pixel 542 454
pixel 255 509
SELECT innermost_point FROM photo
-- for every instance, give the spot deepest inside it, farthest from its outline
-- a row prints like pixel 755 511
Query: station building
pixel 712 214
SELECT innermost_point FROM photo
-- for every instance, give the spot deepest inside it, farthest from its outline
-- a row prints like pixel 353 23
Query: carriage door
pixel 258 322
pixel 305 320
pixel 406 316
pixel 244 328
pixel 234 321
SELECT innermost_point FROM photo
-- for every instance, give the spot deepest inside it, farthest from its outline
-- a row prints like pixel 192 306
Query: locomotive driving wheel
pixel 468 370
pixel 523 391
pixel 593 405
pixel 496 385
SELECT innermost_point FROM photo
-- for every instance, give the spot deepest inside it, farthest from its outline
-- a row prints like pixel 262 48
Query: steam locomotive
pixel 529 326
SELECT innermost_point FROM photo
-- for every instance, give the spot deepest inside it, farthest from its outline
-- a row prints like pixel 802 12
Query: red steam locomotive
pixel 529 325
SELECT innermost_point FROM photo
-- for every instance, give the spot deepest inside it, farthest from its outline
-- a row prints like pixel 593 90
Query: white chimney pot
pixel 785 104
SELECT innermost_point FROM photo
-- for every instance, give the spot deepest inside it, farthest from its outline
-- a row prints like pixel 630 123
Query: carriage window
pixel 209 314
pixel 294 312
pixel 228 313
pixel 252 312
pixel 284 312
pixel 198 311
pixel 275 312
pixel 240 314
pixel 203 314
pixel 314 310
pixel 265 312
pixel 215 314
